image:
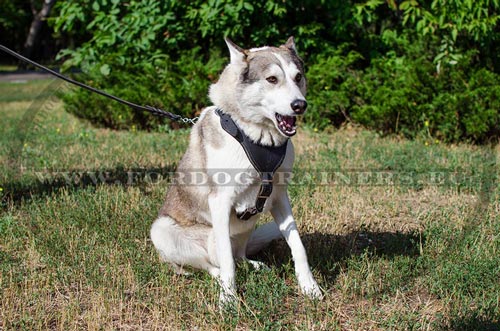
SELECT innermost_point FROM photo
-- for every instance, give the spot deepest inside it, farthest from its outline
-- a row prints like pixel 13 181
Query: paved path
pixel 22 77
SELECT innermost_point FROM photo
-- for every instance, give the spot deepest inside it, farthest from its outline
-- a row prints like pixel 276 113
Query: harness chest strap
pixel 265 159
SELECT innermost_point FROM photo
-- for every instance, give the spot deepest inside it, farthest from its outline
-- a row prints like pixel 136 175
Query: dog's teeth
pixel 287 124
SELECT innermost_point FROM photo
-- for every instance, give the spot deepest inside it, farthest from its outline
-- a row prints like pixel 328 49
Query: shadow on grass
pixel 326 252
pixel 474 323
pixel 46 183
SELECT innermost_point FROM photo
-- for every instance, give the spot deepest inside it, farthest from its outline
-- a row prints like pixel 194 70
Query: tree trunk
pixel 36 26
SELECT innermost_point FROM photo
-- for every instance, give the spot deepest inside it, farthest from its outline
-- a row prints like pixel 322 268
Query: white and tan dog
pixel 263 90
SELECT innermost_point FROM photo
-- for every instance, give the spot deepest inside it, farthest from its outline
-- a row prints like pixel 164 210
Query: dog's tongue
pixel 286 124
pixel 289 120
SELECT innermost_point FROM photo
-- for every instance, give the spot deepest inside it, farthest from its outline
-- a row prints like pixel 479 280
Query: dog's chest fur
pixel 214 153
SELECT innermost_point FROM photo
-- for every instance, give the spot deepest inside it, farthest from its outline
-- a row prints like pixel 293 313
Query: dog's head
pixel 264 88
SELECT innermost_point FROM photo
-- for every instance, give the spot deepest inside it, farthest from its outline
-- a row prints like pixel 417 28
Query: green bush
pixel 414 68
pixel 402 93
pixel 331 77
pixel 179 86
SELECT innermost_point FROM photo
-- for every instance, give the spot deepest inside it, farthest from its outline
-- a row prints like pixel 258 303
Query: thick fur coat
pixel 263 90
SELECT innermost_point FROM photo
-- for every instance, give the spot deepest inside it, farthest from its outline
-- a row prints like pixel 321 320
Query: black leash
pixel 152 110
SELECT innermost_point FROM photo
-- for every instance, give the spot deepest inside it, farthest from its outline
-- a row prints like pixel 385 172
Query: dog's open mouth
pixel 286 124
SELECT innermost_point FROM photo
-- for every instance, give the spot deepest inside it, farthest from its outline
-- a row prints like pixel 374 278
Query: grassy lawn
pixel 404 236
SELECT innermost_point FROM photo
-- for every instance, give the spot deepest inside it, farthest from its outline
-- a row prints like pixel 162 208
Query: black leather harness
pixel 265 159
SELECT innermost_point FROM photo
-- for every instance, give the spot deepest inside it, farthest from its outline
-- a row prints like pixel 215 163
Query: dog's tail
pixel 262 236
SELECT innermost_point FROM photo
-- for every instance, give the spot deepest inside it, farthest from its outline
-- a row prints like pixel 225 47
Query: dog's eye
pixel 298 78
pixel 272 79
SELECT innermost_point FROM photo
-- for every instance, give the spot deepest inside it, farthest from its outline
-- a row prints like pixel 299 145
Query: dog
pixel 261 92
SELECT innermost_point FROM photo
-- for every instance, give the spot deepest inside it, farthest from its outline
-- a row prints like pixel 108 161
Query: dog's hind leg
pixel 261 237
pixel 179 269
pixel 182 247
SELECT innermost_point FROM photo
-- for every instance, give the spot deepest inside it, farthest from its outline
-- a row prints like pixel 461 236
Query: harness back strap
pixel 265 159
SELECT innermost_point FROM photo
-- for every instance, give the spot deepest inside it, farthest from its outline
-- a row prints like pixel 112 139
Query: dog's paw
pixel 180 270
pixel 257 265
pixel 313 292
pixel 309 287
pixel 227 299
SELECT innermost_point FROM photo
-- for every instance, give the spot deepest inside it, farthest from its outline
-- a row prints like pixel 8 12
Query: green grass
pixel 391 253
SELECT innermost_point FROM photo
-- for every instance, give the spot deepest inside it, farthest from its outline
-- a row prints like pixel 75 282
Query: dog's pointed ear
pixel 238 54
pixel 290 44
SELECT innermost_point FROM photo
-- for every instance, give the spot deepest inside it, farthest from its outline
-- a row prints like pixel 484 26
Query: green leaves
pixel 131 33
pixel 96 6
pixel 454 23
pixel 401 93
pixel 136 29
pixel 105 69
pixel 388 65
pixel 176 85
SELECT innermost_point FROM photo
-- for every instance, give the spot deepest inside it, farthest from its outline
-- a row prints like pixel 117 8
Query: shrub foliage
pixel 415 68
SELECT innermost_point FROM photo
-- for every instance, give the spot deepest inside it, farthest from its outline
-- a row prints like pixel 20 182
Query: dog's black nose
pixel 299 106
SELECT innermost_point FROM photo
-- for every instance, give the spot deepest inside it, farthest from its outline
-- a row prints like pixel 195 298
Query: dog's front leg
pixel 220 209
pixel 282 213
